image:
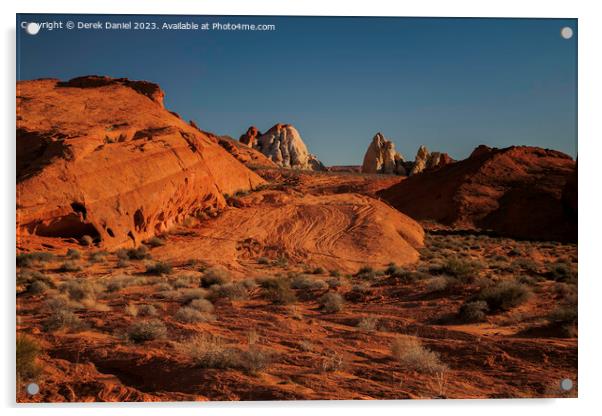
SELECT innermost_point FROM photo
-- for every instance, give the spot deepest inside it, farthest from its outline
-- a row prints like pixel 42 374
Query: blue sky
pixel 450 84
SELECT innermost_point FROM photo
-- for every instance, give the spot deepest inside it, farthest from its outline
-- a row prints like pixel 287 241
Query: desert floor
pixel 206 313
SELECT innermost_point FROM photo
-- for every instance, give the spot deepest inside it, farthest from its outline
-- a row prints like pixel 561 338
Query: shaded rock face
pixel 426 160
pixel 250 137
pixel 520 192
pixel 149 89
pixel 283 145
pixel 101 157
pixel 381 157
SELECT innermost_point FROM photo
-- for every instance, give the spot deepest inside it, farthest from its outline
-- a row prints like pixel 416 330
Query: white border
pixel 590 293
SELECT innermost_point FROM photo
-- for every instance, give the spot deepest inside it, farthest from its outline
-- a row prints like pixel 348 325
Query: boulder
pixel 426 160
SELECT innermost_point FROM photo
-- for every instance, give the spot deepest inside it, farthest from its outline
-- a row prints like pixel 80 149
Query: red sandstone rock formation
pixel 517 192
pixel 101 157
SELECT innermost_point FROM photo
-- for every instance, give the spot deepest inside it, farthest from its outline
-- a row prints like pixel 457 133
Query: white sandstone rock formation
pixel 284 146
pixel 381 157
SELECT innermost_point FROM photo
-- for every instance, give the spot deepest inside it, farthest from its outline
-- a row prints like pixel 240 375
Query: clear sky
pixel 450 84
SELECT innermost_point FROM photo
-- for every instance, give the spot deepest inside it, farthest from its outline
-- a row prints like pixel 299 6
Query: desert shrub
pixel 29 259
pixel 254 360
pixel 562 272
pixel 79 290
pixel 331 302
pixel 138 253
pixel 73 254
pixel 526 280
pixel 318 270
pixel 34 281
pixel 366 273
pixel 436 284
pixel 301 281
pixel 187 314
pixel 202 305
pixel 62 319
pixel 159 268
pixel 566 292
pixel 162 286
pixel 281 261
pixel 248 283
pixel 464 270
pixel 184 281
pixel 97 256
pixel 367 323
pixel 117 283
pixel 147 310
pixel 131 309
pixel 278 291
pixel 154 242
pixel 192 294
pixel 27 352
pixel 504 295
pixel 121 263
pixel 232 291
pixel 86 240
pixel 358 293
pixel 526 264
pixel 331 361
pixel 70 266
pixel 563 314
pixel 411 354
pixel 473 311
pixel 335 273
pixel 37 287
pixel 407 276
pixel 215 276
pixel 515 252
pixel 305 345
pixel 334 282
pixel 208 351
pixel 148 330
pixel 263 260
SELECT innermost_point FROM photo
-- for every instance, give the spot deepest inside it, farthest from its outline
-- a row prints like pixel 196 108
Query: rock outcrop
pixel 250 137
pixel 520 192
pixel 244 154
pixel 101 157
pixel 381 157
pixel 426 160
pixel 283 145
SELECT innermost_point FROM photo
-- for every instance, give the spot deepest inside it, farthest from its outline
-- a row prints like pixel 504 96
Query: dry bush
pixel 30 259
pixel 232 291
pixel 208 351
pixel 131 309
pixel 504 295
pixel 202 305
pixel 331 361
pixel 189 295
pixel 80 290
pixel 138 253
pixel 190 315
pixel 412 355
pixel 464 270
pixel 27 352
pixel 331 302
pixel 147 310
pixel 473 311
pixel 278 291
pixel 368 323
pixel 436 284
pixel 215 276
pixel 73 254
pixel 154 242
pixel 62 319
pixel 70 266
pixel 159 268
pixel 149 330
